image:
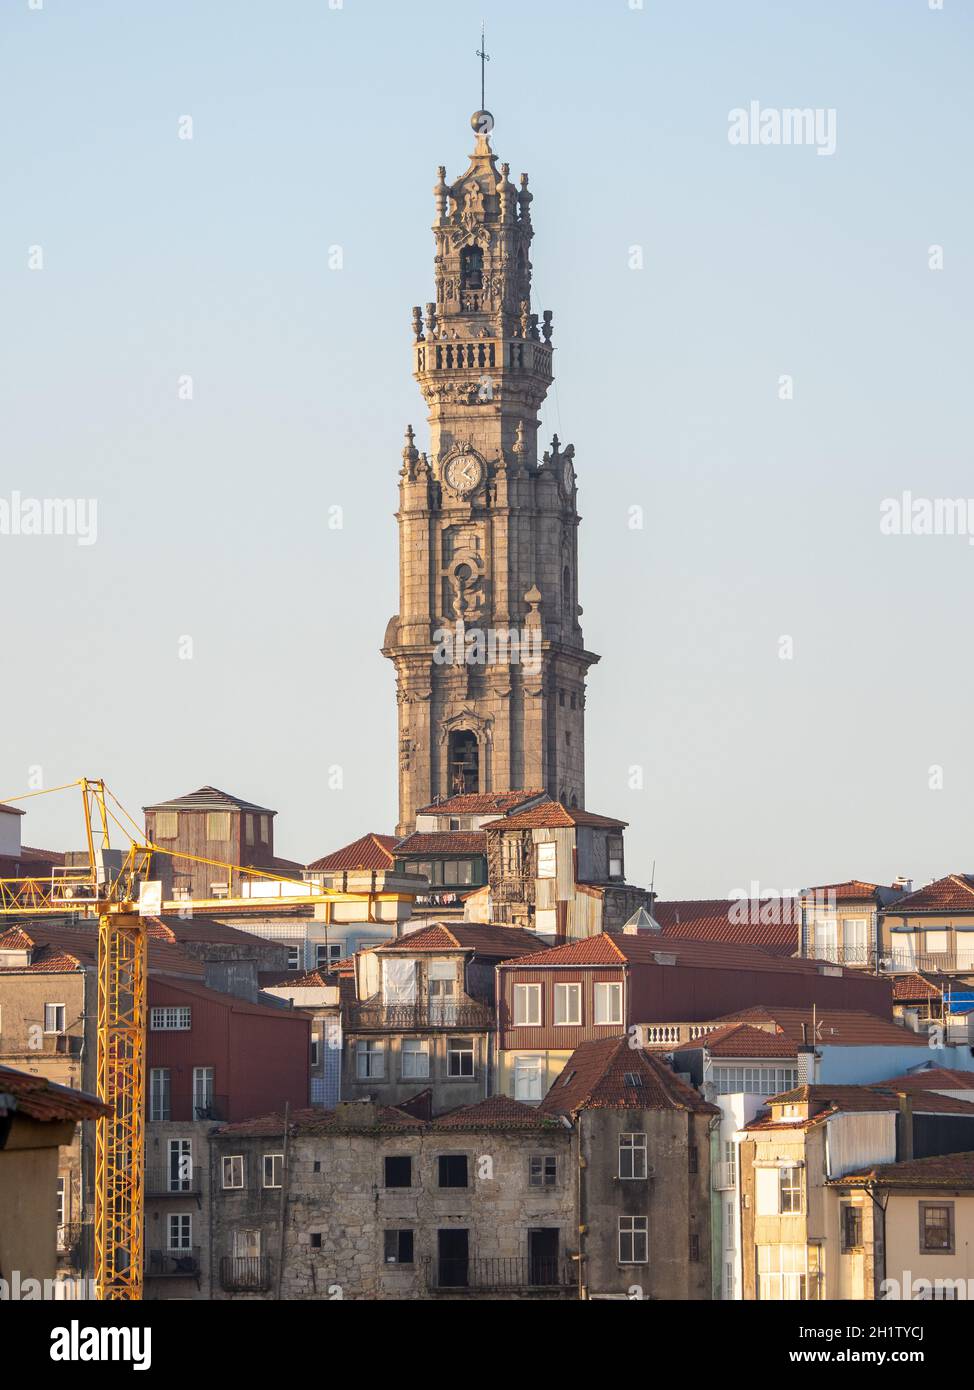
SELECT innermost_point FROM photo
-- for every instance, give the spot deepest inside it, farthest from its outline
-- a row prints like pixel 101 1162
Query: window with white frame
pixel 370 1060
pixel 415 1058
pixel 203 1098
pixel 170 1019
pixel 527 1006
pixel 326 953
pixel 315 1051
pixel 782 1272
pixel 543 1170
pixel 233 1171
pixel 614 855
pixel 294 958
pixel 159 1094
pixel 855 940
pixel 180 1230
pixel 632 1155
pixel 789 1190
pixel 568 1003
pixel 60 1201
pixel 759 1081
pixel 273 1169
pixel 529 1078
pixel 180 1171
pixel 53 1018
pixel 938 943
pixel 608 1002
pixel 633 1240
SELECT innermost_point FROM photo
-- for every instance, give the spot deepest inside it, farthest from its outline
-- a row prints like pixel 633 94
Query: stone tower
pixel 490 662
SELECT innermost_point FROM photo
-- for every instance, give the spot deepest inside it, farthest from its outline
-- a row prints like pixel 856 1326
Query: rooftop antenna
pixel 484 57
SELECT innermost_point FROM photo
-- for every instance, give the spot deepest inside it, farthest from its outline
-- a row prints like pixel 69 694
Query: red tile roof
pixel 497 1112
pixel 742 1040
pixel 40 1099
pixel 835 1027
pixel 955 893
pixel 370 851
pixel 553 815
pixel 60 949
pixel 608 1074
pixel 232 1002
pixel 202 930
pixel 824 1101
pixel 499 943
pixel 733 920
pixel 853 890
pixel 932 1079
pixel 479 803
pixel 311 979
pixel 941 1171
pixel 13 939
pixel 915 986
pixel 642 948
pixel 364 1117
pixel 443 842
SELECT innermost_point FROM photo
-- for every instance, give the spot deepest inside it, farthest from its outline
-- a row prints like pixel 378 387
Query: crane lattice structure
pixel 112 888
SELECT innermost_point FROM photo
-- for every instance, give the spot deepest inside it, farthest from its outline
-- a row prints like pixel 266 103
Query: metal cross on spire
pixel 484 57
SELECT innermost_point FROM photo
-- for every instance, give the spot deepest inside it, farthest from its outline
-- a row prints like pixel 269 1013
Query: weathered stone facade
pixel 487 532
pixel 337 1204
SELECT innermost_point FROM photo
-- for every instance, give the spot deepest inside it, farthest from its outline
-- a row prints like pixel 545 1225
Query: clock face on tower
pixel 464 472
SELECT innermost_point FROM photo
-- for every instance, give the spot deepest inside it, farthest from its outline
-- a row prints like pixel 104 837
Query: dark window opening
pixel 452 1249
pixel 316 1240
pixel 399 1172
pixel 464 762
pixel 543 1256
pixel 471 268
pixel 851 1227
pixel 399 1247
pixel 453 1170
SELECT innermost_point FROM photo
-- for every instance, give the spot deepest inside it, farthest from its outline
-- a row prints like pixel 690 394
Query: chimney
pixel 807 1058
pixel 904 1130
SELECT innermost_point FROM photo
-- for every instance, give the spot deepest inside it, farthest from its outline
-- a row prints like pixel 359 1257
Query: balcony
pixel 173 1264
pixel 74 1245
pixel 245 1273
pixel 863 956
pixel 414 1018
pixel 162 1182
pixel 516 1274
pixel 725 1176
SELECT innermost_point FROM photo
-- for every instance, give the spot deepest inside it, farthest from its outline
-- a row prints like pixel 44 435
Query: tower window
pixel 464 762
pixel 471 268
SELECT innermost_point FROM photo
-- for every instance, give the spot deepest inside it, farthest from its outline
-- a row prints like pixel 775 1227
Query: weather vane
pixel 484 57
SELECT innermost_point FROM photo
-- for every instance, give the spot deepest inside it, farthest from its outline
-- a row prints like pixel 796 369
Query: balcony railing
pixel 173 1264
pixel 245 1273
pixel 74 1243
pixel 504 1274
pixel 162 1182
pixel 415 1017
pixel 206 1107
pixel 896 960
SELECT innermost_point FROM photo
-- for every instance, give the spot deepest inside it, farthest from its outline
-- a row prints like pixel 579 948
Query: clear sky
pixel 317 127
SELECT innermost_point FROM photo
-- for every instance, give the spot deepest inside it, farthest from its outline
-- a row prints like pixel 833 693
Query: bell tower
pixel 487 645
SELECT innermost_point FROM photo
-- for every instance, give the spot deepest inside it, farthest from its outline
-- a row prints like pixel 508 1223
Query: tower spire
pixel 484 57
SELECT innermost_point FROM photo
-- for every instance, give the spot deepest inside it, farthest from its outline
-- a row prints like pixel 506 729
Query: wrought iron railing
pixel 173 1264
pixel 412 1017
pixel 245 1273
pixel 504 1274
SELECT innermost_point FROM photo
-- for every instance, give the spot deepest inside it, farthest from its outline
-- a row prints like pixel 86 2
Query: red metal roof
pixel 608 1074
pixel 40 1099
pixel 209 799
pixel 370 851
pixel 955 893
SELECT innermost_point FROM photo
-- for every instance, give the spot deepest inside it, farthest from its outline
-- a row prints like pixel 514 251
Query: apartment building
pixel 932 930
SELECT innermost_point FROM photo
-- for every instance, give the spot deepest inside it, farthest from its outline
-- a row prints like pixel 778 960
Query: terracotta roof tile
pixel 499 943
pixel 41 1099
pixel 742 1040
pixel 955 893
pixel 553 815
pixel 642 948
pixel 733 920
pixel 824 1101
pixel 368 1119
pixel 497 1112
pixel 370 851
pixel 479 803
pixel 838 1027
pixel 852 890
pixel 932 1079
pixel 942 1170
pixel 608 1074
pixel 914 986
pixel 443 842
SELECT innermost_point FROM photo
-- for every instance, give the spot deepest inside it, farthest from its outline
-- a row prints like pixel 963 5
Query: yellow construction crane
pixel 112 888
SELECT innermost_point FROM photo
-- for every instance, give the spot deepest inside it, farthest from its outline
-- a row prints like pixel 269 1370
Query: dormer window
pixel 471 268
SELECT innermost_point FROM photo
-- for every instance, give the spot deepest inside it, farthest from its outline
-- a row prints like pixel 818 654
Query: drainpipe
pixel 285 1182
pixel 581 1206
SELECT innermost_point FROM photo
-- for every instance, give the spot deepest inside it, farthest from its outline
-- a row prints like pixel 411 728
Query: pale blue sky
pixel 316 127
